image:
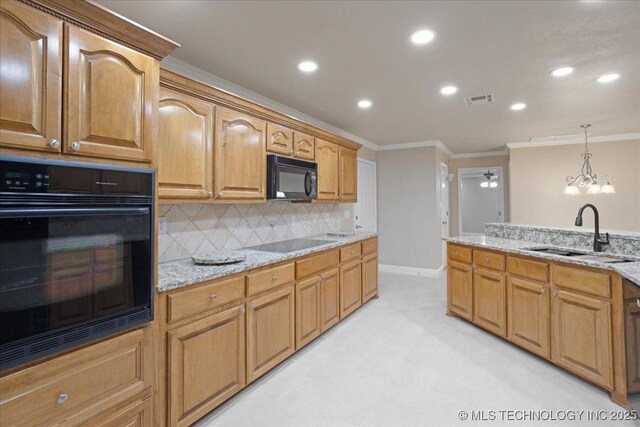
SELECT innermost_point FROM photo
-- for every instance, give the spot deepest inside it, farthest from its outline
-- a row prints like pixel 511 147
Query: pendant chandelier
pixel 489 183
pixel 588 180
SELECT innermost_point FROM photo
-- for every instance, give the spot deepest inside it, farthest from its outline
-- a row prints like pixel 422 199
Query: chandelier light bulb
pixel 571 189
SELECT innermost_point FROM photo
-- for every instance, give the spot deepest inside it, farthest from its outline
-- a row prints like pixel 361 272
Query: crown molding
pixel 571 141
pixel 504 152
pixel 418 144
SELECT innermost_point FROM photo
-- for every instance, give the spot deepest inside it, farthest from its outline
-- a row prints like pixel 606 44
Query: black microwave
pixel 76 254
pixel 291 179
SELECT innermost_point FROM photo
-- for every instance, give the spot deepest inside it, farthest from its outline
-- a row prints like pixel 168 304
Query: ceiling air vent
pixel 477 100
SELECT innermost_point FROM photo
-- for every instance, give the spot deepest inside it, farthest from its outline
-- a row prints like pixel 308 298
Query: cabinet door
pixel 31 78
pixel 528 315
pixel 185 146
pixel 350 288
pixel 271 331
pixel 240 161
pixel 206 364
pixel 112 93
pixel 279 139
pixel 369 277
pixel 632 328
pixel 329 299
pixel 348 175
pixel 327 159
pixel 304 146
pixel 307 311
pixel 581 336
pixel 460 289
pixel 489 301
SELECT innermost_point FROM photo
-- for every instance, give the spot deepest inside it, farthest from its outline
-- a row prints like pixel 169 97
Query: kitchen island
pixel 542 289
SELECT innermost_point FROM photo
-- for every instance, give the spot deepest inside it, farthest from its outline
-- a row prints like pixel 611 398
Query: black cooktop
pixel 287 246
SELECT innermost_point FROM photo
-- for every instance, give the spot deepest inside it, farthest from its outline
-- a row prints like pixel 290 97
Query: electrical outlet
pixel 162 225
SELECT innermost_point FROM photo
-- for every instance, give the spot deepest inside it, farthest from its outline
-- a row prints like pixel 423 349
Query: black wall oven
pixel 76 254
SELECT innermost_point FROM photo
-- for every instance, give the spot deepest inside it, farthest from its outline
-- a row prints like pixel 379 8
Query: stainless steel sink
pixel 582 255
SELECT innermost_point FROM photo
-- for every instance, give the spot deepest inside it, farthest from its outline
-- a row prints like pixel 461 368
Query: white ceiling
pixel 362 48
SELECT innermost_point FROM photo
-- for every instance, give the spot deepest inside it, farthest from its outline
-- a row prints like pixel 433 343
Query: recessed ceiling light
pixel 364 103
pixel 561 72
pixel 608 78
pixel 422 36
pixel 518 106
pixel 307 66
pixel 448 90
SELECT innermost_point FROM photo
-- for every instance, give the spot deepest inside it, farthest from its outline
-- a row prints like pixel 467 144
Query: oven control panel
pixel 31 181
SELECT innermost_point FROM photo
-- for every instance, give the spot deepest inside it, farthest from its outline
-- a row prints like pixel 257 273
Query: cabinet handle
pixel 54 143
pixel 253 306
pixel 543 291
pixel 220 194
pixel 242 310
pixel 322 278
pixel 554 293
pixel 274 278
pixel 213 297
pixel 75 146
pixel 209 193
pixel 62 397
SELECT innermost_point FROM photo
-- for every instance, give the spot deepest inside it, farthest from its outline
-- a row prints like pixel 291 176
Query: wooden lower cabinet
pixel 135 413
pixel 369 277
pixel 75 388
pixel 307 311
pixel 489 300
pixel 270 330
pixel 350 288
pixel 632 328
pixel 528 315
pixel 206 364
pixel 329 299
pixel 581 333
pixel 460 289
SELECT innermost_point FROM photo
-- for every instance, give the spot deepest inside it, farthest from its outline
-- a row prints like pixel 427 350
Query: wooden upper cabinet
pixel 111 98
pixel 348 175
pixel 304 146
pixel 31 78
pixel 239 156
pixel 327 159
pixel 185 146
pixel 279 139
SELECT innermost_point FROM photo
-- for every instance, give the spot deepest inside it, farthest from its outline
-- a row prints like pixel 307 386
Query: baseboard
pixel 410 271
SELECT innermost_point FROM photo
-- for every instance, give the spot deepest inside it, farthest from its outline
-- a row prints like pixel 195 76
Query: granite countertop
pixel 177 274
pixel 629 270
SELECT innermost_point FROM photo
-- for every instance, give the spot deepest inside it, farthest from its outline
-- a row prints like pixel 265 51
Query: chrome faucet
pixel 598 242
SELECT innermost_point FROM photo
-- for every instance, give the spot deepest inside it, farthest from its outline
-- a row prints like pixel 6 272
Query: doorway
pixel 444 210
pixel 366 208
pixel 480 198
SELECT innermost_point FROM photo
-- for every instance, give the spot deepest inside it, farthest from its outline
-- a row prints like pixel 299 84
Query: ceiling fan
pixel 489 183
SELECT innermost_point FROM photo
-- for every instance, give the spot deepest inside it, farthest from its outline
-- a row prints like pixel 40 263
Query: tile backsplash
pixel 189 228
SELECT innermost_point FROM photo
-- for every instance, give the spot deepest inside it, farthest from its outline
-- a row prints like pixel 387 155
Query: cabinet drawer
pixel 350 252
pixel 187 303
pixel 586 281
pixel 489 259
pixel 317 263
pixel 75 386
pixel 459 253
pixel 271 278
pixel 370 246
pixel 527 268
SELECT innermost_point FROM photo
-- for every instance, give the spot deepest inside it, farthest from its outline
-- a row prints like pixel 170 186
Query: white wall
pixel 538 181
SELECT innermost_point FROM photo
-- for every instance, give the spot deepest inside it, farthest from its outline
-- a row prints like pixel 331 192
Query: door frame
pixel 375 199
pixel 501 181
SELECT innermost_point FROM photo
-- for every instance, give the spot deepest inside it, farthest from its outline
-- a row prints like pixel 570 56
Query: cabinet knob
pixel 253 306
pixel 75 146
pixel 210 194
pixel 542 291
pixel 213 297
pixel 322 278
pixel 274 278
pixel 638 302
pixel 62 397
pixel 486 259
pixel 54 143
pixel 242 310
pixel 554 293
pixel 220 194
pixel 458 253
